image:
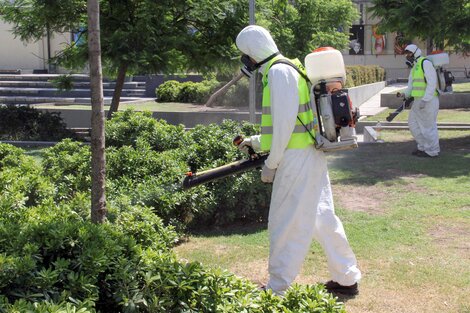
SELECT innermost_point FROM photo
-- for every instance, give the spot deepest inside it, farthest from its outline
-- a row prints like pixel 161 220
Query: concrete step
pixel 53 92
pixel 59 100
pixel 76 85
pixel 40 77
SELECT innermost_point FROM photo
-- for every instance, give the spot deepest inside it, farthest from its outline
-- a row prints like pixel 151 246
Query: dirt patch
pixel 374 199
pixel 383 298
pixel 410 184
pixel 452 236
pixel 258 270
pixel 370 199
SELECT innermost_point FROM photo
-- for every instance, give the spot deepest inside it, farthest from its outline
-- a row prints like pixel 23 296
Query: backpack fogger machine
pixel 330 101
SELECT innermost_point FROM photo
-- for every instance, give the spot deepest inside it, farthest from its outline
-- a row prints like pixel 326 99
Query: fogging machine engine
pixel 332 106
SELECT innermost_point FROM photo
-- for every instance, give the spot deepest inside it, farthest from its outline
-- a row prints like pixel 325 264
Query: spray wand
pixel 406 103
pixel 255 160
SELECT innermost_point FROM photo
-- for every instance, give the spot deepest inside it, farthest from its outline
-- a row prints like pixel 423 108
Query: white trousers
pixel 302 209
pixel 423 126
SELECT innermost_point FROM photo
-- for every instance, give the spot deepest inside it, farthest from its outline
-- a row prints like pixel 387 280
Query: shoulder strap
pixel 422 67
pixel 285 61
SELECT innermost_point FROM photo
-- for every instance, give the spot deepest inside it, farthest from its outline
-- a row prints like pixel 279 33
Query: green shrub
pixel 168 91
pixel 127 127
pixel 21 182
pixel 192 92
pixel 211 145
pixel 143 176
pixel 25 123
pixel 53 259
pixel 11 156
pixel 52 254
pixel 357 75
pixel 68 165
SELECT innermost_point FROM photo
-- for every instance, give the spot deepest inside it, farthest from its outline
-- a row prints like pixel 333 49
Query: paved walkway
pixel 372 106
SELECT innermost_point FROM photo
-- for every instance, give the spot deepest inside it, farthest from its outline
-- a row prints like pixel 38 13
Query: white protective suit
pixel 422 120
pixel 301 203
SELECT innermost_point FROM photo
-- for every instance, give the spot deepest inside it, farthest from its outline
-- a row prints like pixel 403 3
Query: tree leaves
pixel 444 21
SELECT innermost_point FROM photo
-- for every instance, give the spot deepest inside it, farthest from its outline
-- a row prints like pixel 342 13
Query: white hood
pixel 414 49
pixel 256 42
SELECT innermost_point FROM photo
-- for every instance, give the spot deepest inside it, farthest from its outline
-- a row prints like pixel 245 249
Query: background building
pixel 31 57
pixel 368 47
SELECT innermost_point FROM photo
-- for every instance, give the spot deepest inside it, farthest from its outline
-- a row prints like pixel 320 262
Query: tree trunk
pixel 98 157
pixel 429 46
pixel 118 89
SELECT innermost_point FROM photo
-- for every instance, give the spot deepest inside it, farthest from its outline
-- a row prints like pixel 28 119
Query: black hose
pixel 193 180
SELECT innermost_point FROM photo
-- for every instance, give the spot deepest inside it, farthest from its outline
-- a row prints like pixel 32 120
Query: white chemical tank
pixel 438 59
pixel 325 63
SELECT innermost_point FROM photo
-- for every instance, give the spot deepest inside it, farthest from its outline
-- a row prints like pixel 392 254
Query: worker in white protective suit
pixel 422 85
pixel 301 203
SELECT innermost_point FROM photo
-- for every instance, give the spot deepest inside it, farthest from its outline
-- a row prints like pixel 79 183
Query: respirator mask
pixel 250 67
pixel 410 59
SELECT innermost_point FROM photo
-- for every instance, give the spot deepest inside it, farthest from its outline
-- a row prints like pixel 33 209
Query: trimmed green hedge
pixel 357 75
pixel 237 95
pixel 174 91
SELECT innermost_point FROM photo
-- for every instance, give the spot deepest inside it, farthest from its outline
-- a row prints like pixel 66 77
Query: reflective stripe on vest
pixel 419 83
pixel 300 138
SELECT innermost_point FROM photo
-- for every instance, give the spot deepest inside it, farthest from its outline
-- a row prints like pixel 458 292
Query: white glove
pixel 267 174
pixel 245 145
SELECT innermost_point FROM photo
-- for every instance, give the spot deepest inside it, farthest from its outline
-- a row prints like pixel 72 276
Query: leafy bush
pixel 21 182
pixel 357 75
pixel 68 165
pixel 212 147
pixel 25 123
pixel 127 127
pixel 174 91
pixel 52 254
pixel 53 260
pixel 143 176
pixel 169 91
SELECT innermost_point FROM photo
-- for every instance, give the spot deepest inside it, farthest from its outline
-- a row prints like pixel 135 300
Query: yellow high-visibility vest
pixel 300 137
pixel 418 87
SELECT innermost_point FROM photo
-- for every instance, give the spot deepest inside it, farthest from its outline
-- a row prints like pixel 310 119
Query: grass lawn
pixel 444 116
pixel 407 219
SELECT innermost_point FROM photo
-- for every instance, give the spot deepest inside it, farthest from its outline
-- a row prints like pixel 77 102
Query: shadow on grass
pixel 374 163
pixel 232 229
